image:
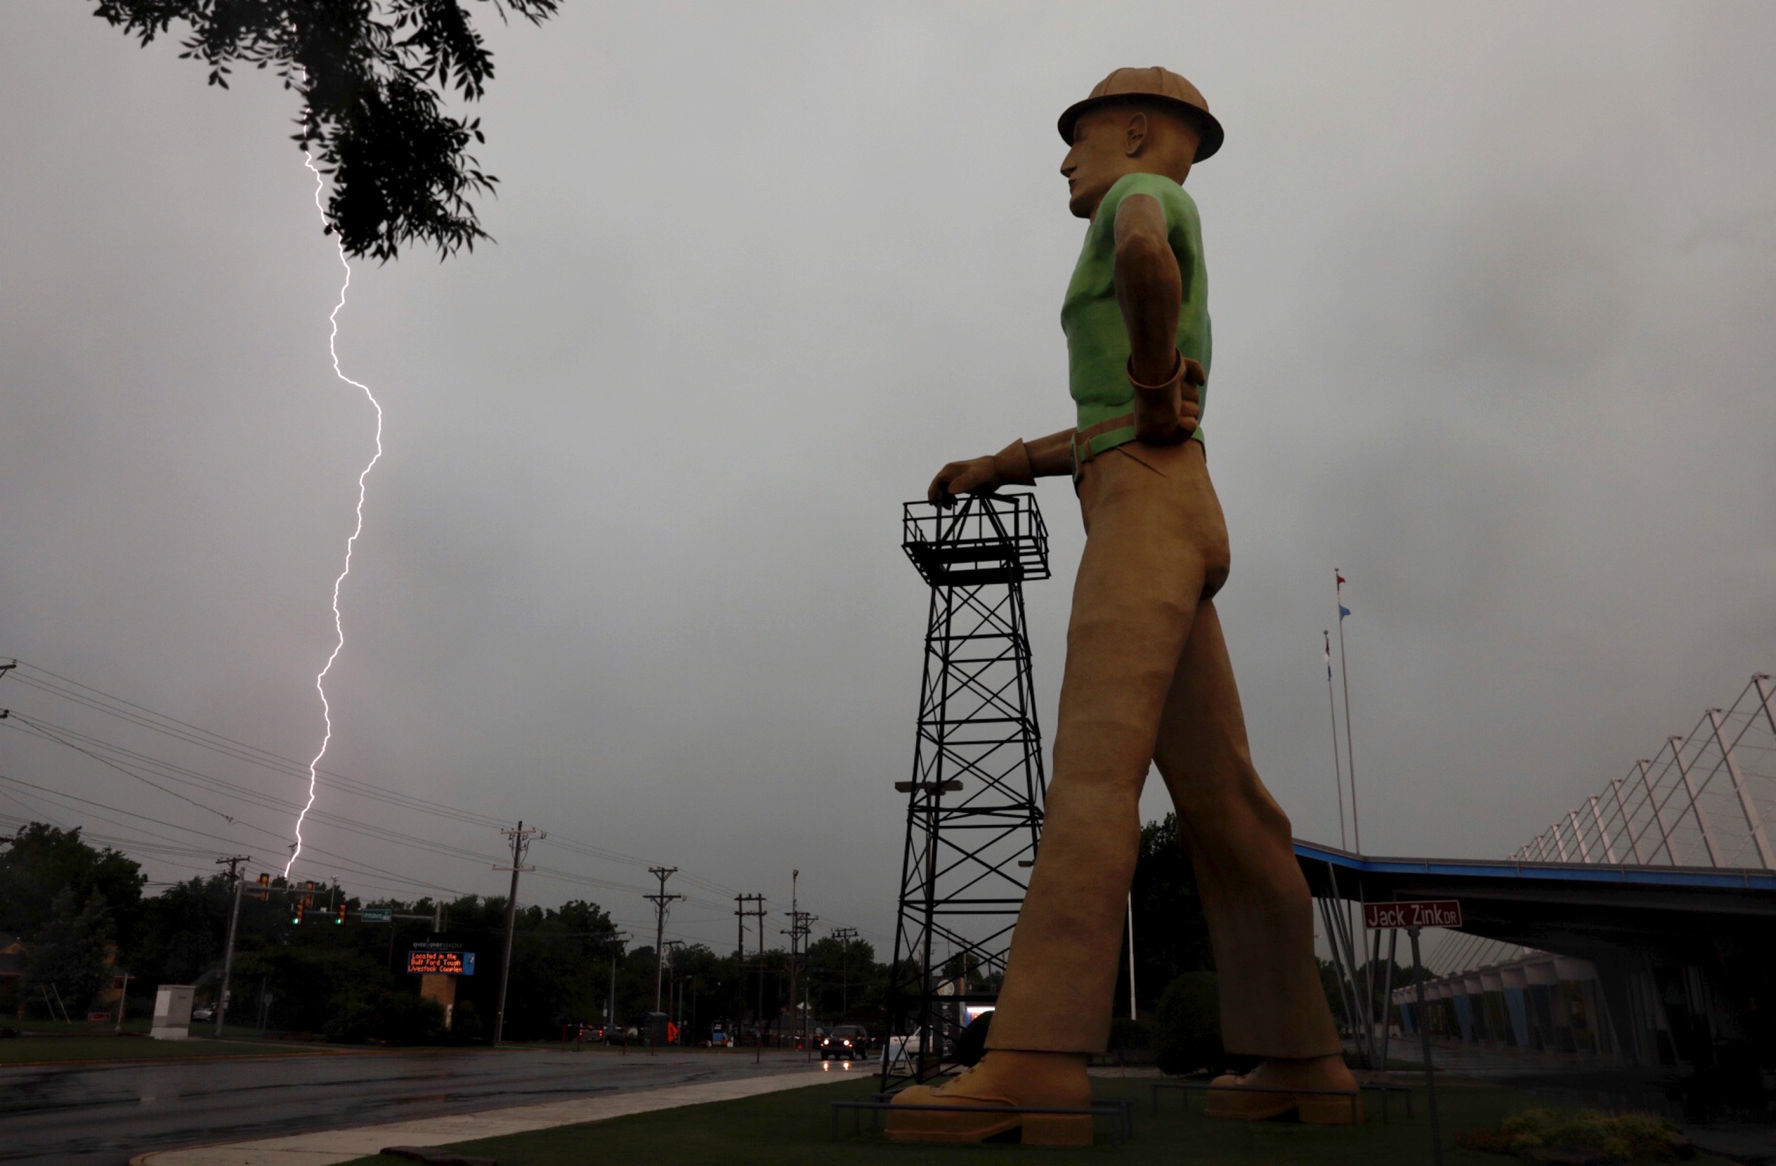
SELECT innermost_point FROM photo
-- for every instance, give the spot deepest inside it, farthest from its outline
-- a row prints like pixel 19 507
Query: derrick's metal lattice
pixel 974 804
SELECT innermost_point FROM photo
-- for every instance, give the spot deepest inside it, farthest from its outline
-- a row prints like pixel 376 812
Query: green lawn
pixel 793 1128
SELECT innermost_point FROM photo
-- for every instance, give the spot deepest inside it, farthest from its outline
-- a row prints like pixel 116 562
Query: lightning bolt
pixel 350 543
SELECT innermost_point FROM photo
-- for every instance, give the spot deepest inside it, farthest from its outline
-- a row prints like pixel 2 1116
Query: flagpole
pixel 1337 768
pixel 1356 829
pixel 1344 672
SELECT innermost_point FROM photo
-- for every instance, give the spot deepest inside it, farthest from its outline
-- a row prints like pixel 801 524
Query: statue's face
pixel 1106 146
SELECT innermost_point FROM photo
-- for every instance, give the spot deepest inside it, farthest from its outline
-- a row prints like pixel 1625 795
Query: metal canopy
pixel 1582 909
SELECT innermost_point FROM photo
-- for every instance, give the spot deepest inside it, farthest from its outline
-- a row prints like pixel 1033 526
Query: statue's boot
pixel 1003 1077
pixel 1289 1087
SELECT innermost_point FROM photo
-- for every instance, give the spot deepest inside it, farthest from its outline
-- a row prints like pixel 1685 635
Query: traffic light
pixel 264 892
pixel 340 916
pixel 296 910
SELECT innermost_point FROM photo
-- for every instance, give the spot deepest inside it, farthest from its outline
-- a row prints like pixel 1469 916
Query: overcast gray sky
pixel 1493 288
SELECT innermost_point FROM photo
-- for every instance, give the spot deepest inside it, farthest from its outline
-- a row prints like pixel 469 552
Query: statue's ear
pixel 1136 135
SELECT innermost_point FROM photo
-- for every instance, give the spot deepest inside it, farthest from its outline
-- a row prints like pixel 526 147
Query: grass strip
pixel 793 1128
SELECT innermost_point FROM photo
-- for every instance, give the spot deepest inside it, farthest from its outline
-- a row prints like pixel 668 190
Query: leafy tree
pixel 40 861
pixel 1171 935
pixel 839 972
pixel 1187 1024
pixel 70 957
pixel 372 76
pixel 183 930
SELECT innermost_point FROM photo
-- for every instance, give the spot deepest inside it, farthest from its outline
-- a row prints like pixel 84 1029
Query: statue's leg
pixel 1140 580
pixel 1254 897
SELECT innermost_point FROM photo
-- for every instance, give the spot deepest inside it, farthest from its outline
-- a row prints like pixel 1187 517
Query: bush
pixel 1582 1134
pixel 400 1018
pixel 1130 1036
pixel 406 1019
pixel 1187 1025
pixel 465 1023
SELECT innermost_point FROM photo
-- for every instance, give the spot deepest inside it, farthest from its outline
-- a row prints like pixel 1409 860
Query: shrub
pixel 408 1020
pixel 1130 1036
pixel 465 1023
pixel 395 1017
pixel 1589 1133
pixel 1187 1024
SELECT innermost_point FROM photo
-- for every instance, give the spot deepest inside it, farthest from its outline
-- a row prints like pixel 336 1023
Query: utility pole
pixel 798 929
pixel 233 862
pixel 660 901
pixel 756 911
pixel 610 1014
pixel 520 844
pixel 844 935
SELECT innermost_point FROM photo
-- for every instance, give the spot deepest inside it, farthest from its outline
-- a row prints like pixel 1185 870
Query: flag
pixel 1328 636
pixel 1343 611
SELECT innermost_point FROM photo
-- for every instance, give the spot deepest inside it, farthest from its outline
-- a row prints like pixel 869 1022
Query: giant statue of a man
pixel 1147 676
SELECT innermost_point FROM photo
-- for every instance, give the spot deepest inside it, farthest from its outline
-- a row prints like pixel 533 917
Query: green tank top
pixel 1097 340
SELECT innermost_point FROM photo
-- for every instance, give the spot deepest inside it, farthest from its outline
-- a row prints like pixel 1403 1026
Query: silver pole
pixel 1387 995
pixel 1646 778
pixel 1609 848
pixel 1767 696
pixel 1560 843
pixel 1344 992
pixel 1337 769
pixel 1425 1041
pixel 1343 931
pixel 1695 806
pixel 1627 826
pixel 1579 834
pixel 1350 758
pixel 1131 929
pixel 1752 820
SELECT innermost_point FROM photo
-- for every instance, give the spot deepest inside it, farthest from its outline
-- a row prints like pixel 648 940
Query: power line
pixel 146 769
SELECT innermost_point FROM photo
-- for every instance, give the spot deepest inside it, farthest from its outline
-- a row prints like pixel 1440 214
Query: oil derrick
pixel 974 804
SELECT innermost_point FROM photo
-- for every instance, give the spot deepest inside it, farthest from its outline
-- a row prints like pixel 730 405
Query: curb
pixel 320 1148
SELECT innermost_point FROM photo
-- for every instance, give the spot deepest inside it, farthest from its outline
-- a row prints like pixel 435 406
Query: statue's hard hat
pixel 1154 84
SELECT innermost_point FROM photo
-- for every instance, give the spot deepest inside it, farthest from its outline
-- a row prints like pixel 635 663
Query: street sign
pixel 1413 914
pixel 376 915
pixel 426 962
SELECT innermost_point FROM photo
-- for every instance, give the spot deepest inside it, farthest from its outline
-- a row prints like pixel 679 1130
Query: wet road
pixel 100 1115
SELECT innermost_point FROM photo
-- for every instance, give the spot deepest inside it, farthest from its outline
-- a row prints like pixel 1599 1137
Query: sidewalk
pixel 330 1146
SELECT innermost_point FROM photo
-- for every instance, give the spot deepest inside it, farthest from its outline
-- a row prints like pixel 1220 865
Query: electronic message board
pixel 440 963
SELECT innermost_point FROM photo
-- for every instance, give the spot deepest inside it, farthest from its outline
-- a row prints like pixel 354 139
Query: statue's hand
pixel 1166 414
pixel 977 475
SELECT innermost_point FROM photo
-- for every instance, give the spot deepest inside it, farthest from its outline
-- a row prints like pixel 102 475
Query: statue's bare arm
pixel 1150 291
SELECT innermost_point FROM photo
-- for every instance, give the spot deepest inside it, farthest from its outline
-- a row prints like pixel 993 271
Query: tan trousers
pixel 1148 680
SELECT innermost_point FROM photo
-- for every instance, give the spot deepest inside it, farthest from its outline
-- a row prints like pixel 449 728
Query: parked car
pixel 845 1042
pixel 203 1012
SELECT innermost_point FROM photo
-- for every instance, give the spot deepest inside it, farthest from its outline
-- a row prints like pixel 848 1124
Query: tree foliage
pixel 69 958
pixel 1171 934
pixel 41 861
pixel 372 76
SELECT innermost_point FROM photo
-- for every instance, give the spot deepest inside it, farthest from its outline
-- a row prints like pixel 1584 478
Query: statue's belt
pixel 1093 440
